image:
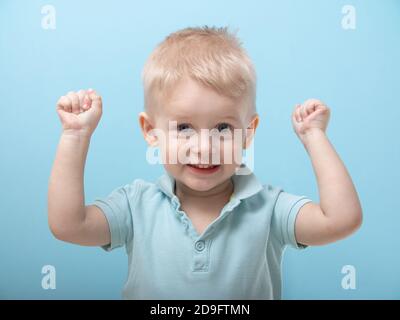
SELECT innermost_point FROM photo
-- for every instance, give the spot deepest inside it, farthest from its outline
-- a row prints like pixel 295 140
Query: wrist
pixel 76 134
pixel 311 135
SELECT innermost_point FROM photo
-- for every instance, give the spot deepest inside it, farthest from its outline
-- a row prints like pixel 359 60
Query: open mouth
pixel 203 168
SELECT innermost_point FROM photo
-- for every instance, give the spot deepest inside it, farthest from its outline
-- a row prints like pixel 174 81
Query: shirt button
pixel 199 245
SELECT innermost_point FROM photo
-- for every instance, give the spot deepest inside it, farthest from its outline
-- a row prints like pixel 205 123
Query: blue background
pixel 300 50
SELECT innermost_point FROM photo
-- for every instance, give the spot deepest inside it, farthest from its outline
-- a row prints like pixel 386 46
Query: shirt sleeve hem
pixel 291 223
pixel 112 224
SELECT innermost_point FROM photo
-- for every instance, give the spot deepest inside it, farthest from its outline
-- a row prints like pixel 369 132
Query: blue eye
pixel 183 126
pixel 224 126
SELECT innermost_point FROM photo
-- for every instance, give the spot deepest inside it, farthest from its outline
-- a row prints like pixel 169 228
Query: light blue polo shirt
pixel 238 256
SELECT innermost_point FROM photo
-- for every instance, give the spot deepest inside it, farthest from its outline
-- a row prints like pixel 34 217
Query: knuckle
pixel 61 100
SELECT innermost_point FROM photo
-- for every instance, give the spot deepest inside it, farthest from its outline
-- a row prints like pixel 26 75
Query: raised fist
pixel 80 112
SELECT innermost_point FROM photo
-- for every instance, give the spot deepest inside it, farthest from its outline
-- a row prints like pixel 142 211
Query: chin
pixel 201 181
pixel 198 180
pixel 200 185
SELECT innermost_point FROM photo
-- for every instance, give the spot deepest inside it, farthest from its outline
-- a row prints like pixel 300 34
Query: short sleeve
pixel 284 215
pixel 118 210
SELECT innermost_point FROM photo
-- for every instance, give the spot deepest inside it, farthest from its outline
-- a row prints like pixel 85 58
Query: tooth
pixel 203 166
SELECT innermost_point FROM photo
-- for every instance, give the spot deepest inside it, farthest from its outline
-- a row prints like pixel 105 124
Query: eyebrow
pixel 231 121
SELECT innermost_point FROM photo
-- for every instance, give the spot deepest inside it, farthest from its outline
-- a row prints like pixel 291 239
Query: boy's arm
pixel 69 219
pixel 339 213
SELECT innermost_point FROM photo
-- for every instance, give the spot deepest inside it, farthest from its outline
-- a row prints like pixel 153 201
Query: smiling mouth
pixel 204 168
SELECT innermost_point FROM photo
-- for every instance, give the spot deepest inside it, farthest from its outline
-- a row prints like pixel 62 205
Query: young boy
pixel 201 231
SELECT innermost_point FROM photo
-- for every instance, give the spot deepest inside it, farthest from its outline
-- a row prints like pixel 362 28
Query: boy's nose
pixel 204 147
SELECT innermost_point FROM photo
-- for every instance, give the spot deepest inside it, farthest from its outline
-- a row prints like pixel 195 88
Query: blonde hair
pixel 211 56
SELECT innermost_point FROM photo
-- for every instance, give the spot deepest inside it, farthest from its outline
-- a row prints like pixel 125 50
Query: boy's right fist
pixel 80 112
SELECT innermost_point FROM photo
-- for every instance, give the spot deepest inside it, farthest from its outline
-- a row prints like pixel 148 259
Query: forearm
pixel 338 196
pixel 66 203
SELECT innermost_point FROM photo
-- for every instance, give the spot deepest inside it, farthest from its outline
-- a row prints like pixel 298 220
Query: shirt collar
pixel 245 185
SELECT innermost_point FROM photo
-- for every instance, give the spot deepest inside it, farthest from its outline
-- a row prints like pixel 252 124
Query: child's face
pixel 196 108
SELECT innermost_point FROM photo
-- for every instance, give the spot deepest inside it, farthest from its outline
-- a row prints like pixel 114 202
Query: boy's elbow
pixel 340 229
pixel 357 221
pixel 58 232
pixel 61 232
pixel 354 223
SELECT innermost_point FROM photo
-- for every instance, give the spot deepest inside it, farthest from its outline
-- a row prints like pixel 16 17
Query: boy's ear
pixel 250 131
pixel 146 125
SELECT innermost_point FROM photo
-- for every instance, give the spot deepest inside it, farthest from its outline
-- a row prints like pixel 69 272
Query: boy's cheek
pixel 231 153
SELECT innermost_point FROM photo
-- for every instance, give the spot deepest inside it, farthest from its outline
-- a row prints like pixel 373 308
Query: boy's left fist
pixel 312 114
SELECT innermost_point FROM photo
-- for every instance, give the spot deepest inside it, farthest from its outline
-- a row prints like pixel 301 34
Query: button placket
pixel 201 255
pixel 199 245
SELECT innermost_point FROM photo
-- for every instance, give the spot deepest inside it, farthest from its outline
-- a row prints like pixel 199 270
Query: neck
pixel 221 192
